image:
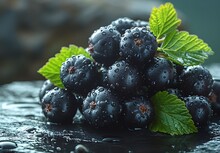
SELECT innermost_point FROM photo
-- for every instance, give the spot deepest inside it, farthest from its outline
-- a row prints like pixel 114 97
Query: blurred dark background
pixel 31 31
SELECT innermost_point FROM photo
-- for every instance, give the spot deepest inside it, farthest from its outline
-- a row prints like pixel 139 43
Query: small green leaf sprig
pixel 177 46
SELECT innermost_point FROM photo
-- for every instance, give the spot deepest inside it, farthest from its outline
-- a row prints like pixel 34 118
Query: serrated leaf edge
pixel 156 129
pixel 158 26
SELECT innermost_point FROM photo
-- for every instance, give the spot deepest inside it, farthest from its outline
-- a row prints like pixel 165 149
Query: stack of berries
pixel 115 87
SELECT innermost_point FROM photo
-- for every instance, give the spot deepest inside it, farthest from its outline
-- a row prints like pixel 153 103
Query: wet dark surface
pixel 23 128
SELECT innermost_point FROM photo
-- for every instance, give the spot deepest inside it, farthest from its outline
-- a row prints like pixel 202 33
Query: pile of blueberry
pixel 116 88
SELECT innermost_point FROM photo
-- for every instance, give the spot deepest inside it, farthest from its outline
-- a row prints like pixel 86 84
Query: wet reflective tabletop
pixel 23 128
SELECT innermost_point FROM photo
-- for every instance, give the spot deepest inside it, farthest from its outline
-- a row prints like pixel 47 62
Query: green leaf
pixel 171 115
pixel 163 20
pixel 51 70
pixel 185 49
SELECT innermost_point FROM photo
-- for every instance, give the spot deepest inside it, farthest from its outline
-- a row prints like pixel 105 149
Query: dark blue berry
pixel 59 106
pixel 101 108
pixel 137 112
pixel 138 45
pixel 215 97
pixel 47 86
pixel 196 80
pixel 122 24
pixel 141 23
pixel 79 74
pixel 199 108
pixel 123 77
pixel 159 74
pixel 104 45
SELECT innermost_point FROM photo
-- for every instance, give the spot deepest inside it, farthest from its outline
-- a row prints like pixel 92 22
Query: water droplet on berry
pixel 101 89
pixel 118 65
pixel 125 38
pixel 144 30
pixel 93 94
pixel 116 70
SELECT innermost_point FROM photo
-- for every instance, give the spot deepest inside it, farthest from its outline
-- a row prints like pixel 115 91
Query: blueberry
pixel 59 105
pixel 215 97
pixel 137 112
pixel 79 74
pixel 104 45
pixel 123 77
pixel 122 24
pixel 47 86
pixel 199 108
pixel 101 108
pixel 138 45
pixel 141 23
pixel 159 74
pixel 196 80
